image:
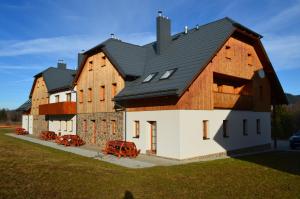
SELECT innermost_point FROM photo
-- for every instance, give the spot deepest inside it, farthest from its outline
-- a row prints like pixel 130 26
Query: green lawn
pixel 32 171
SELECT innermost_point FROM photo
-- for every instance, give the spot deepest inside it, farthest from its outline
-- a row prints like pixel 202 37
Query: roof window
pixel 149 77
pixel 168 73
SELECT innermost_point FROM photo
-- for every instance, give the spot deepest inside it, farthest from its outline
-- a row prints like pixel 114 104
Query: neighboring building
pixel 26 117
pixel 48 114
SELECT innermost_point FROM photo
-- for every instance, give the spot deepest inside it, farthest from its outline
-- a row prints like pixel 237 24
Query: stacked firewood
pixel 69 140
pixel 21 131
pixel 47 135
pixel 121 149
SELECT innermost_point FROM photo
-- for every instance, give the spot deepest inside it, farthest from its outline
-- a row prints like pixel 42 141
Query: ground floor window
pixel 258 130
pixel 137 129
pixel 245 130
pixel 70 125
pixel 205 130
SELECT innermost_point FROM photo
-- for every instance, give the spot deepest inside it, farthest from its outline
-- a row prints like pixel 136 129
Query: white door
pixel 30 121
pixel 25 122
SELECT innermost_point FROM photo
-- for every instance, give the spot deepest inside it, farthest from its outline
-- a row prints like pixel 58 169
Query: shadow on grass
pixel 285 161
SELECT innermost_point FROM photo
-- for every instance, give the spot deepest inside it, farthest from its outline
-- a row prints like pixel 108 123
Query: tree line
pixel 10 116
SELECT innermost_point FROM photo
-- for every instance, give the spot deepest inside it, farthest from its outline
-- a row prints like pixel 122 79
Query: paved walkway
pixel 125 162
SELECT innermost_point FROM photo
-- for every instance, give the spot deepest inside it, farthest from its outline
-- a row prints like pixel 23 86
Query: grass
pixel 29 170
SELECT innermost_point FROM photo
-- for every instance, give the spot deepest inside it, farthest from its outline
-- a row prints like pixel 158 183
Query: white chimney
pixel 186 29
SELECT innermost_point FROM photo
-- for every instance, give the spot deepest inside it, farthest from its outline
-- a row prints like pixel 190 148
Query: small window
pixel 90 95
pixel 90 65
pixel 56 98
pixel 113 126
pixel 245 127
pixel 103 126
pixel 70 125
pixel 168 74
pixel 249 59
pixel 225 130
pixel 80 96
pixel 258 130
pixel 66 125
pixel 113 90
pixel 228 52
pixel 59 125
pixel 149 77
pixel 102 93
pixel 137 129
pixel 84 125
pixel 68 95
pixel 205 130
pixel 103 61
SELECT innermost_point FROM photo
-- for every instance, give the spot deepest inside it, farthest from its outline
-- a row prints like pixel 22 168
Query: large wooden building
pixel 204 91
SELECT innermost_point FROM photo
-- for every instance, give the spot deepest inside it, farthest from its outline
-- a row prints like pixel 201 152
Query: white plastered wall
pixel 180 132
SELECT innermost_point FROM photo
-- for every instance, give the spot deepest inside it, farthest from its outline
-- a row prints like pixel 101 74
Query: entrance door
pixel 94 131
pixel 153 134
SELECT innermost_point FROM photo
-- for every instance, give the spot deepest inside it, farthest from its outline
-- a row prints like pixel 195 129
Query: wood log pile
pixel 21 131
pixel 69 140
pixel 47 135
pixel 121 148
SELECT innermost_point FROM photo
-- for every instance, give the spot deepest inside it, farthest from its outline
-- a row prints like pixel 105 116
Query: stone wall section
pixel 39 124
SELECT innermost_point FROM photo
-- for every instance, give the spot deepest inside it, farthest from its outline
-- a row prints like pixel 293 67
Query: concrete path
pixel 125 162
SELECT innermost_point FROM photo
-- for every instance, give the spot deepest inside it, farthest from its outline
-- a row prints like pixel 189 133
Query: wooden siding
pixel 39 95
pixel 98 72
pixel 235 59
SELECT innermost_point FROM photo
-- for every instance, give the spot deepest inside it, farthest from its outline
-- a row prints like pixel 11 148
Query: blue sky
pixel 35 34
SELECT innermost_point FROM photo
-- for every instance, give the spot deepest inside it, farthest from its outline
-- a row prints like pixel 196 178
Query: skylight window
pixel 149 77
pixel 168 74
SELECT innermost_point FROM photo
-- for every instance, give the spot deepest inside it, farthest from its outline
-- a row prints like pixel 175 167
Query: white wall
pixel 58 124
pixel 180 132
pixel 62 96
pixel 25 122
pixel 167 131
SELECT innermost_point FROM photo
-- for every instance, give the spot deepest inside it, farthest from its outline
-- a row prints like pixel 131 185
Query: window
pixel 103 126
pixel 103 61
pixel 258 130
pixel 59 125
pixel 90 95
pixel 66 125
pixel 168 74
pixel 80 96
pixel 205 129
pixel 249 59
pixel 70 125
pixel 113 90
pixel 136 129
pixel 84 125
pixel 113 126
pixel 149 77
pixel 245 127
pixel 225 132
pixel 90 65
pixel 68 95
pixel 56 98
pixel 228 52
pixel 102 93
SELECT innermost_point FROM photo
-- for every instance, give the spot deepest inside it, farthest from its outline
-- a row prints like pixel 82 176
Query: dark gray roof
pixel 57 79
pixel 25 107
pixel 189 53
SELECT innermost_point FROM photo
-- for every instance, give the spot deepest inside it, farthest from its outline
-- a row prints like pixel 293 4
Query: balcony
pixel 232 101
pixel 59 108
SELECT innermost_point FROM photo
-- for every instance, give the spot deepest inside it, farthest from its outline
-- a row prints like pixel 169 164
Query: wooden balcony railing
pixel 60 108
pixel 232 101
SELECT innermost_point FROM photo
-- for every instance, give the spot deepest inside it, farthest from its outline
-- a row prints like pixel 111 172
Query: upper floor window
pixel 261 93
pixel 68 96
pixel 149 77
pixel 90 65
pixel 103 61
pixel 56 98
pixel 249 59
pixel 228 52
pixel 168 74
pixel 90 95
pixel 102 93
pixel 113 90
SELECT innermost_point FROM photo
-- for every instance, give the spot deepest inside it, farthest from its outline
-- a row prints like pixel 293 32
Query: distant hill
pixel 293 99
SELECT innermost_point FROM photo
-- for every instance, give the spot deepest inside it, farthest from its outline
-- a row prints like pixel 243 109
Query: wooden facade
pixel 97 84
pixel 229 81
pixel 39 95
